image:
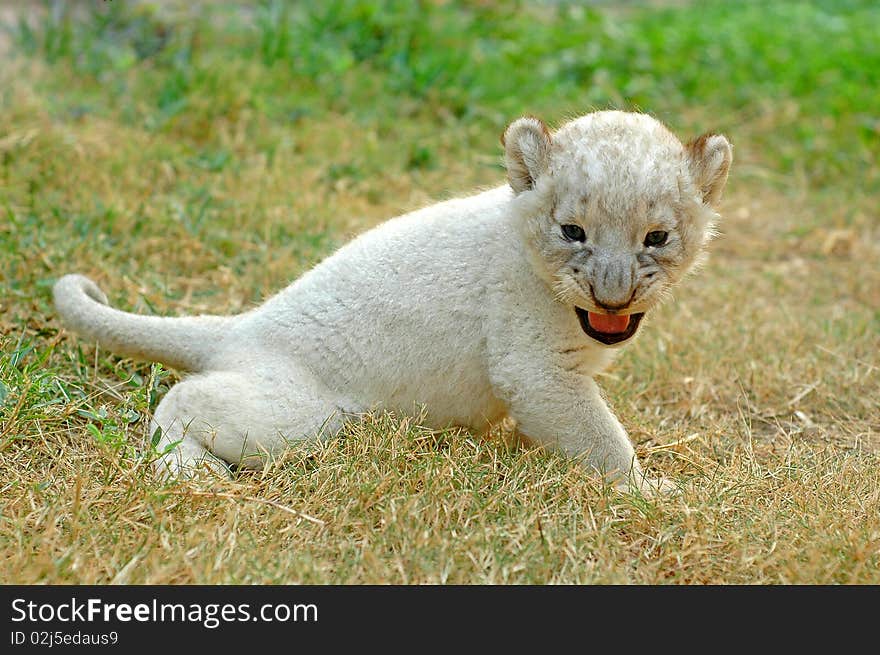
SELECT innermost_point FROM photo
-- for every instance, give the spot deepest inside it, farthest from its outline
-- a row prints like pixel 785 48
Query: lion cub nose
pixel 612 283
pixel 611 307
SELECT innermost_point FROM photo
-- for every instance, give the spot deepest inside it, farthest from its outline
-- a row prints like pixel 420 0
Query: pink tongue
pixel 607 323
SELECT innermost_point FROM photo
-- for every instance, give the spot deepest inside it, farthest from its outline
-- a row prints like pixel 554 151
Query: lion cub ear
pixel 526 144
pixel 709 158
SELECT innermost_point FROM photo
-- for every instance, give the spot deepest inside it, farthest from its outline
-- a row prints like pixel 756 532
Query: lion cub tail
pixel 184 343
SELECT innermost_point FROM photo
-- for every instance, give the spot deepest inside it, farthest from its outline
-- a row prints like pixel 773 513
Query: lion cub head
pixel 615 210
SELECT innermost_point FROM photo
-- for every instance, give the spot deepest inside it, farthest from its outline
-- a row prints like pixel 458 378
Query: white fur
pixel 465 308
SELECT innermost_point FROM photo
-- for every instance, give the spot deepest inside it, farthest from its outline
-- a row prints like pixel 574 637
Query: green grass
pixel 197 157
pixel 738 63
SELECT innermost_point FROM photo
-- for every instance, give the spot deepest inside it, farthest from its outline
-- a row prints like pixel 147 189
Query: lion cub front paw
pixel 647 486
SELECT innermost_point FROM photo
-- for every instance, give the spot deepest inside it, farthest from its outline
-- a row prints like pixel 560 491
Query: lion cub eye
pixel 573 232
pixel 656 238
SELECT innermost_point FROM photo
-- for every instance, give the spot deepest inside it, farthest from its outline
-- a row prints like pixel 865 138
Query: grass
pixel 197 157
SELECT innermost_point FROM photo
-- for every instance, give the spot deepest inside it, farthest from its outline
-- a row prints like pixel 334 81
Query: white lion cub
pixel 505 303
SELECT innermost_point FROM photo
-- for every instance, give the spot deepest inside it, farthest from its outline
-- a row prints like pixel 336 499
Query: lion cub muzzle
pixel 612 281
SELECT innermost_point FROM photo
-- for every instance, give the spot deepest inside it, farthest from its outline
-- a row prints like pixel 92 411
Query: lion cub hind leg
pixel 213 419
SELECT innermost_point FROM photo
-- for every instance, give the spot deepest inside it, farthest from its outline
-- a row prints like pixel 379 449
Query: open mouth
pixel 607 328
